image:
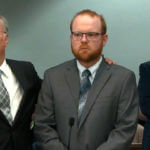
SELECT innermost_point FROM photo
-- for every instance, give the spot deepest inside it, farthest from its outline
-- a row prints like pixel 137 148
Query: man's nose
pixel 84 38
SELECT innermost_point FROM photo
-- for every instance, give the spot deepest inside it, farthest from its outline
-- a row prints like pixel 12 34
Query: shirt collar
pixel 4 68
pixel 92 69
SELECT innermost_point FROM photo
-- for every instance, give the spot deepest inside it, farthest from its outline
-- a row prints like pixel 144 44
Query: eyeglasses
pixel 91 36
pixel 3 32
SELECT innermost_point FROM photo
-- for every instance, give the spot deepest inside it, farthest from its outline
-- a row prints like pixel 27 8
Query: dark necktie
pixel 5 100
pixel 85 87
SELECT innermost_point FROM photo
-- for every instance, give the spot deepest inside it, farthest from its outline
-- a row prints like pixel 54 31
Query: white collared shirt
pixel 92 69
pixel 13 87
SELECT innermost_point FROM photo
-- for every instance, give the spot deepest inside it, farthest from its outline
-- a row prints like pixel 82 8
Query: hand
pixel 141 115
pixel 109 61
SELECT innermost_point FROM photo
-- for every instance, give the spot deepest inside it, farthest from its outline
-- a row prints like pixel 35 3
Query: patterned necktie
pixel 5 100
pixel 85 87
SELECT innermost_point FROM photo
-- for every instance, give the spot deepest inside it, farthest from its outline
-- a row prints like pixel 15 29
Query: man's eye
pixel 77 34
pixel 90 34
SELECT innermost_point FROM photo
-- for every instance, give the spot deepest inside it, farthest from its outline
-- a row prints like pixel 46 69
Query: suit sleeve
pixel 45 133
pixel 144 88
pixel 125 126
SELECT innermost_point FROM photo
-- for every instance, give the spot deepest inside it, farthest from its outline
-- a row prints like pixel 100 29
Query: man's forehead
pixel 85 16
pixel 1 25
pixel 86 20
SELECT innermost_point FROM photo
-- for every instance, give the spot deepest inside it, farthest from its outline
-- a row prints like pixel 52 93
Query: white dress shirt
pixel 92 69
pixel 13 87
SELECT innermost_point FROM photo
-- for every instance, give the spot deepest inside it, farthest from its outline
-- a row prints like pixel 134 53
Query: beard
pixel 86 54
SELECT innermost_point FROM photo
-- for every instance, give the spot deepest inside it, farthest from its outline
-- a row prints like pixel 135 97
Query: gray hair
pixel 4 23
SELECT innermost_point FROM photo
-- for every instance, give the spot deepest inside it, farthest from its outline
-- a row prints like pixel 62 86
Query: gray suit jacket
pixel 108 121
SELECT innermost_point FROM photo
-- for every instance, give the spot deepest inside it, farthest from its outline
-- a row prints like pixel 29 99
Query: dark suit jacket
pixel 144 92
pixel 19 136
pixel 109 117
pixel 144 88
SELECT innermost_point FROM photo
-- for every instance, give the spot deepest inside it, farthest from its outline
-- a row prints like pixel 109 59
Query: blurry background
pixel 39 30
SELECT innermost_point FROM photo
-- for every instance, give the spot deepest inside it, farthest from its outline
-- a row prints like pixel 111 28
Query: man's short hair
pixel 4 23
pixel 92 14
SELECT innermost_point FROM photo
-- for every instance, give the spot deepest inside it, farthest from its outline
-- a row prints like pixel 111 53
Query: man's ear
pixel 70 36
pixel 105 38
pixel 6 37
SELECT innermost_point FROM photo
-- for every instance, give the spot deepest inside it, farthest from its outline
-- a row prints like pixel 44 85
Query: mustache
pixel 84 46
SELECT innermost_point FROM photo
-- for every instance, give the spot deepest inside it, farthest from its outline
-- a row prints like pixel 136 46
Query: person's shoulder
pixel 120 68
pixel 144 68
pixel 62 66
pixel 147 64
pixel 25 67
pixel 19 62
pixel 116 68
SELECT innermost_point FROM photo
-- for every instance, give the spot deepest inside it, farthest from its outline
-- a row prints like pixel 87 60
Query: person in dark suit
pixel 19 86
pixel 85 103
pixel 144 93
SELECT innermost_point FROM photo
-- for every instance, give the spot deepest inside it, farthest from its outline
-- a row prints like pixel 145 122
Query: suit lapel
pixel 73 81
pixel 19 74
pixel 102 76
pixel 2 116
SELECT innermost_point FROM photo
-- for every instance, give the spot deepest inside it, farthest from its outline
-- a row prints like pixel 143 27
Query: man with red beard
pixel 85 103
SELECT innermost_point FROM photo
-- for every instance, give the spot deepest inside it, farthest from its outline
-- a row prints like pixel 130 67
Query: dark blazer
pixel 109 117
pixel 144 88
pixel 144 92
pixel 19 136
